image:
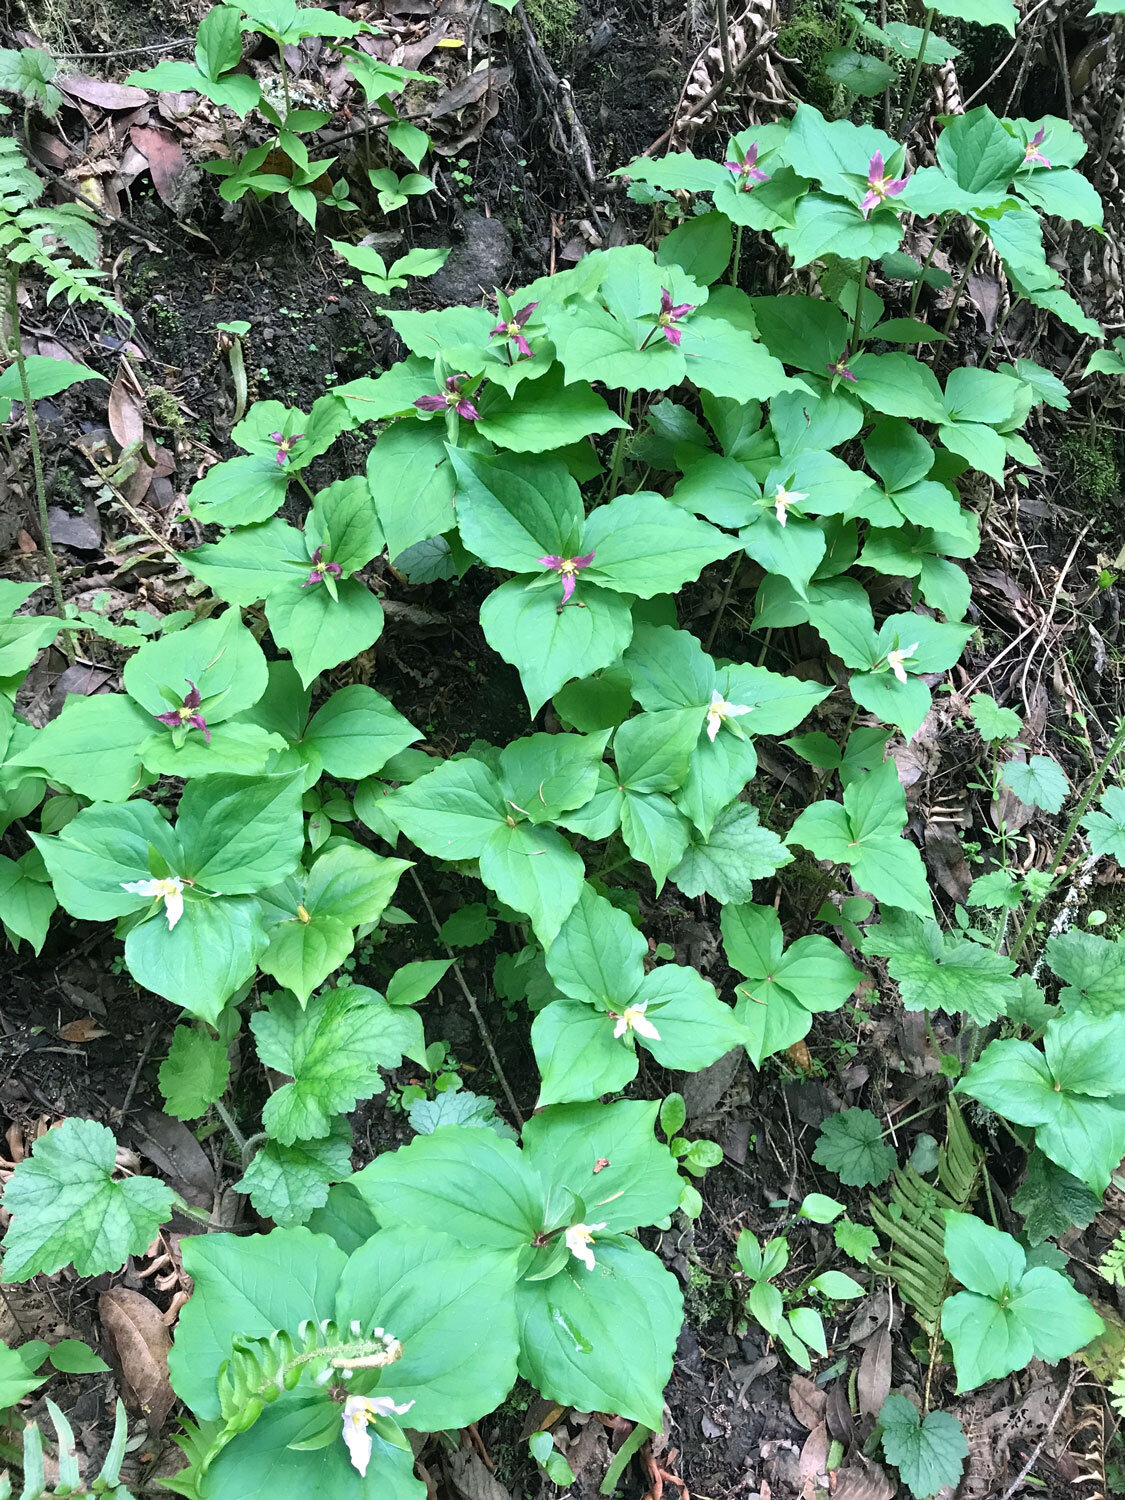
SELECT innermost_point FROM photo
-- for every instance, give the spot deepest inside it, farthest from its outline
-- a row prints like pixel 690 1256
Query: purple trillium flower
pixel 187 714
pixel 747 173
pixel 452 398
pixel 514 329
pixel 321 570
pixel 880 187
pixel 1032 156
pixel 285 444
pixel 839 367
pixel 670 315
pixel 567 569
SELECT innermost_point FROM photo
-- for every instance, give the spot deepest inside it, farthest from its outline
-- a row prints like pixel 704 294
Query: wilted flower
pixel 187 714
pixel 170 890
pixel 720 711
pixel 452 398
pixel 895 660
pixel 632 1018
pixel 284 444
pixel 579 1238
pixel 880 187
pixel 358 1412
pixel 321 570
pixel 839 367
pixel 783 499
pixel 566 568
pixel 745 170
pixel 513 328
pixel 1032 156
pixel 670 315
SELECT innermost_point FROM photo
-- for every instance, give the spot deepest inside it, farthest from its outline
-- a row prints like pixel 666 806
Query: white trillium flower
pixel 579 1240
pixel 632 1018
pixel 895 660
pixel 358 1412
pixel 170 891
pixel 783 499
pixel 720 711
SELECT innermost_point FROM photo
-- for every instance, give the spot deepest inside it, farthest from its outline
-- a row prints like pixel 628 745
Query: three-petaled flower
pixel 169 889
pixel 897 659
pixel 358 1412
pixel 579 1240
pixel 1032 156
pixel 670 314
pixel 633 1018
pixel 512 328
pixel 285 444
pixel 321 570
pixel 566 568
pixel 782 499
pixel 452 399
pixel 720 712
pixel 880 186
pixel 839 367
pixel 187 715
pixel 745 170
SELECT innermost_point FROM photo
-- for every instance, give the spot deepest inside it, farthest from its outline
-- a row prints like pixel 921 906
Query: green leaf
pixel 239 491
pixel 899 386
pixel 645 545
pixel 27 901
pixel 251 562
pixel 320 632
pixel 993 722
pixel 333 1050
pixel 1037 782
pixel 981 12
pixel 240 833
pixel 653 750
pixel 825 225
pixel 457 1107
pixel 99 851
pixel 543 414
pixel 577 1055
pixel 855 1240
pixel 550 645
pixel 45 376
pixel 1106 828
pixel 414 981
pixel 928 1454
pixel 603 1340
pixel 668 668
pixel 830 152
pixel 544 775
pixel 858 72
pixel 286 1183
pixel 700 246
pixel 356 732
pixel 67 1207
pixel 941 971
pixel 1092 969
pixel 597 955
pixel 867 833
pixel 194 1074
pixel 851 1145
pixel 252 1285
pixel 1051 1201
pixel 412 483
pixel 737 852
pixel 535 870
pixel 513 511
pixel 220 656
pixel 452 811
pixel 17 1378
pixel 212 951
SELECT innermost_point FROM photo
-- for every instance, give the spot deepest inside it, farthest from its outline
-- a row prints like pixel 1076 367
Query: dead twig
pixel 1046 625
pixel 1033 1457
pixel 766 41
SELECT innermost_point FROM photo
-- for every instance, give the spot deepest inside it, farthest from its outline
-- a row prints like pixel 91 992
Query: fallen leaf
pixel 814 1454
pixel 472 1480
pixel 808 1401
pixel 27 543
pixel 141 1342
pixel 863 1480
pixel 101 93
pixel 873 1383
pixel 165 159
pixel 85 1029
pixel 126 420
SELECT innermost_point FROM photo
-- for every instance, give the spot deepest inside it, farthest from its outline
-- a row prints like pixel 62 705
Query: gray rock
pixel 480 263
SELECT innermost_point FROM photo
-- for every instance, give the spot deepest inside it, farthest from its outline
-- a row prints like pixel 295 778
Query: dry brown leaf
pixel 104 95
pixel 85 1029
pixel 126 420
pixel 814 1454
pixel 165 159
pixel 141 1342
pixel 873 1383
pixel 807 1401
pixel 863 1480
pixel 471 1479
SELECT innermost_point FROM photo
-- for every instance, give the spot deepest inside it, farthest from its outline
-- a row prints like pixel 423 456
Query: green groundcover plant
pixel 625 428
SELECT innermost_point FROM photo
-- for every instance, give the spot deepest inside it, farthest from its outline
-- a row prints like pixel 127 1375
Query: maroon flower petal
pixel 197 721
pixel 673 335
pixel 171 718
pixel 194 698
pixel 584 562
pixel 568 587
pixel 467 410
pixel 522 345
pixel 525 313
pixel 552 561
pixel 430 403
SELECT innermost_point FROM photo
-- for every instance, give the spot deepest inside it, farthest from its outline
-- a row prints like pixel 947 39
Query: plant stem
pixel 284 77
pixel 619 449
pixel 912 88
pixel 943 224
pixel 229 1121
pixel 999 329
pixel 1111 754
pixel 978 246
pixel 861 287
pixel 723 602
pixel 36 454
pixel 736 260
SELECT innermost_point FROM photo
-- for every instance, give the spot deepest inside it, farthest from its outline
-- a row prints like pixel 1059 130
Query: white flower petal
pixel 357 1439
pixel 174 905
pixel 645 1027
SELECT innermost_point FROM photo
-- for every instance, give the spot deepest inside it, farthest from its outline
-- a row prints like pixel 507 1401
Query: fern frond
pixel 1112 1267
pixel 913 1219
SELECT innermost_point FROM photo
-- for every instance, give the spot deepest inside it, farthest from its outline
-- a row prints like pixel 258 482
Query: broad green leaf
pixel 993 722
pixel 46 376
pixel 928 1454
pixel 978 153
pixel 17 1376
pixel 653 750
pixel 851 1145
pixel 656 833
pixel 1106 827
pixel 737 852
pixel 826 225
pixel 27 901
pixel 220 656
pixel 68 1209
pixel 645 545
pixel 544 414
pixel 730 362
pixel 577 1055
pixel 1092 970
pixel 356 732
pixel 320 632
pixel 830 152
pixel 700 246
pixel 92 858
pixel 544 775
pixel 1037 782
pixel 414 981
pixel 898 385
pixel 668 668
pixel 240 833
pixel 597 955
pixel 333 1050
pixel 240 491
pixel 412 483
pixel 550 645
pixel 212 951
pixel 981 12
pixel 695 1027
pixel 452 812
pixel 535 870
pixel 251 562
pixel 286 1183
pixel 194 1074
pixel 941 971
pixel 513 511
pixel 1052 1201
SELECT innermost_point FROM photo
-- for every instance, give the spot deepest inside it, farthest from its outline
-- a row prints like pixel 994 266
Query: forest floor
pixel 514 201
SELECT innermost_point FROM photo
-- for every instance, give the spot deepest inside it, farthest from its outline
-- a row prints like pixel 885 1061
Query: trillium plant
pixel 655 474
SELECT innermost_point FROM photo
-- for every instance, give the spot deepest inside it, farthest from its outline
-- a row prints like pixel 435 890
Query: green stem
pixel 978 246
pixel 861 287
pixel 1111 754
pixel 723 602
pixel 736 261
pixel 912 88
pixel 229 1121
pixel 943 224
pixel 998 330
pixel 284 77
pixel 619 449
pixel 36 454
